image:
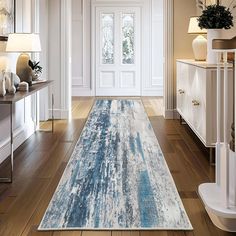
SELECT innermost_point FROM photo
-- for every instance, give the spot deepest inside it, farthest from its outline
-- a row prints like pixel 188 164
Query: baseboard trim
pixel 81 92
pixel 171 114
pixel 176 115
pixel 153 92
pixel 59 114
pixel 20 135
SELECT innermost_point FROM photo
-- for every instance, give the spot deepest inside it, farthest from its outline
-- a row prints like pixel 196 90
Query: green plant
pixel 35 67
pixel 216 16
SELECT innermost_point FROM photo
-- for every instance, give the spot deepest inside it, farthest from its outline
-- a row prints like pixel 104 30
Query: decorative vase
pixel 12 88
pixel 2 87
pixel 9 82
pixel 7 79
pixel 212 34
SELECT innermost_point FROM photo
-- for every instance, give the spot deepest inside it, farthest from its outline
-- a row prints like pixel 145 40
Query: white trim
pixel 155 92
pixel 82 92
pixel 77 81
pixel 65 57
pixel 60 114
pixel 169 58
pixel 20 135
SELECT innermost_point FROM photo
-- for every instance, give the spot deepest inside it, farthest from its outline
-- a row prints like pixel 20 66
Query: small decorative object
pixel 36 69
pixel 16 79
pixel 7 78
pixel 2 87
pixel 12 88
pixel 11 82
pixel 25 43
pixel 199 43
pixel 23 86
pixel 214 18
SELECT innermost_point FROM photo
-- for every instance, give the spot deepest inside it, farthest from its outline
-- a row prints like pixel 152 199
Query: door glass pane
pixel 108 38
pixel 128 38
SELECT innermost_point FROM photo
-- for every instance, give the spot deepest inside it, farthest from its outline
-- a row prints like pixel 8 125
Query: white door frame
pixel 95 5
pixel 118 69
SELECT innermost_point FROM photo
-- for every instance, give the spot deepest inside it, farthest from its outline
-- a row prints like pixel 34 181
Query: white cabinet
pixel 196 98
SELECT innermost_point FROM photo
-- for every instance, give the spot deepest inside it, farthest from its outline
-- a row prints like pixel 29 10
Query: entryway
pixel 118 51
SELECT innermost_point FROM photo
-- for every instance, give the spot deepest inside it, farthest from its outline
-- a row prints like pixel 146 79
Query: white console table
pixel 196 98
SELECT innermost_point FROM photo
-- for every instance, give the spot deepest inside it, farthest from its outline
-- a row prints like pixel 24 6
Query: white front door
pixel 118 51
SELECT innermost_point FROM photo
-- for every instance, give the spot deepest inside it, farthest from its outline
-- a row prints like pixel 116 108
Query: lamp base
pixel 22 68
pixel 200 48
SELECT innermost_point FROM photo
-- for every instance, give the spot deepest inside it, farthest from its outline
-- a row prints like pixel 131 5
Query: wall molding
pixel 82 92
pixel 168 58
pixel 20 135
pixel 153 92
pixel 66 21
pixel 60 114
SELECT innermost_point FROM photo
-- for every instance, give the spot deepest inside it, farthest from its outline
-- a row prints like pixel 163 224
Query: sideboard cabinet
pixel 196 98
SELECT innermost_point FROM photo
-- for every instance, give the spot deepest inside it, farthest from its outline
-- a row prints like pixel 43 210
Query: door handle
pixel 195 103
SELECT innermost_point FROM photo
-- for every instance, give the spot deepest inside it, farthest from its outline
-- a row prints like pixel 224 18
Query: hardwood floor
pixel 40 161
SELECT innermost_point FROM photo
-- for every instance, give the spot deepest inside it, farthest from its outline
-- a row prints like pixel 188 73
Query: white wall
pixel 59 55
pixel 157 48
pixel 152 43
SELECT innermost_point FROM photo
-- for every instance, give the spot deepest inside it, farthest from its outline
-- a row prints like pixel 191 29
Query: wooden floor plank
pixel 153 233
pixel 125 233
pixel 6 204
pixel 37 215
pixel 17 217
pixel 96 233
pixel 68 233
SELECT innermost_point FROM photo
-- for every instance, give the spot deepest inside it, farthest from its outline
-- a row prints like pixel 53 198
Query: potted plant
pixel 214 18
pixel 36 69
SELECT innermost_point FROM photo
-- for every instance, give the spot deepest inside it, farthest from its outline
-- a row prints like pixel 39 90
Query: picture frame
pixel 7 18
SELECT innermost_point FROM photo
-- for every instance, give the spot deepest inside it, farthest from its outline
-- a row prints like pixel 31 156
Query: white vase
pixel 12 88
pixel 2 87
pixel 212 34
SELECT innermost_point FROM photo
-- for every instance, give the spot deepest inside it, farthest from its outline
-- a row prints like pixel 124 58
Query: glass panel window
pixel 128 38
pixel 107 38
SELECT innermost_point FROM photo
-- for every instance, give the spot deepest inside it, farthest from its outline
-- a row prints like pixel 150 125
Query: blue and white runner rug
pixel 117 177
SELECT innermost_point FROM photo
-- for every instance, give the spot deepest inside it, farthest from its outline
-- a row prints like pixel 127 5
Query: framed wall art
pixel 7 18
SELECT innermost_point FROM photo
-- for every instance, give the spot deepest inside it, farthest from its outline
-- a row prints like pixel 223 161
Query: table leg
pixel 212 161
pixel 12 145
pixel 52 117
pixel 36 111
pixel 52 113
pixel 9 180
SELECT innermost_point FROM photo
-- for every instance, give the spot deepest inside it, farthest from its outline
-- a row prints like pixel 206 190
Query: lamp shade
pixel 23 43
pixel 194 28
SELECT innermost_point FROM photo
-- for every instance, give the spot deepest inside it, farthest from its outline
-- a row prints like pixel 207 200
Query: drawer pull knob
pixel 181 91
pixel 196 103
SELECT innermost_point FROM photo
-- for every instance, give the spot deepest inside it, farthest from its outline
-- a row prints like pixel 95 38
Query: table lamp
pixel 23 43
pixel 200 42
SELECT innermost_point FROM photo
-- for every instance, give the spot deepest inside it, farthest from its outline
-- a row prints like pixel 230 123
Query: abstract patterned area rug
pixel 117 177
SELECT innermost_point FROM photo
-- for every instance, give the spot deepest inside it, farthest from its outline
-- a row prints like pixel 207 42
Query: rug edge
pixel 115 229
